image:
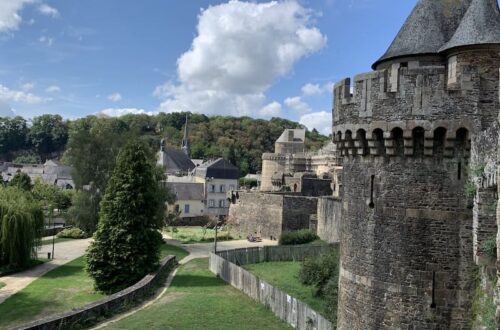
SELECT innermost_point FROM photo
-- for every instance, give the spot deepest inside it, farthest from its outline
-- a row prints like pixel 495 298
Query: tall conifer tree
pixel 126 243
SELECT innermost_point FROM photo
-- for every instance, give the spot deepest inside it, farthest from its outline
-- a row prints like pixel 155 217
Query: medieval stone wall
pixel 406 232
pixel 269 215
pixel 329 217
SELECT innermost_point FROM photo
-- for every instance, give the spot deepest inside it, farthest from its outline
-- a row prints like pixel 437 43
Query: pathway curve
pixel 64 252
pixel 198 250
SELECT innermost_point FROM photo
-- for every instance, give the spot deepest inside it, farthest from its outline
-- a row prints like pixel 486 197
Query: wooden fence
pixel 226 264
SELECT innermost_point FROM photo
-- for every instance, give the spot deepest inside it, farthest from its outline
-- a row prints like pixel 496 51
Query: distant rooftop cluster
pixel 51 172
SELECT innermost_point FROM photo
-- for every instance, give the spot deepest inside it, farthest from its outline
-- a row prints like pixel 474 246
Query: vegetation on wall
pixel 127 241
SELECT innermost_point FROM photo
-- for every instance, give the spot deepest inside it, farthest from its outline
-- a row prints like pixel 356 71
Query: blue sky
pixel 257 58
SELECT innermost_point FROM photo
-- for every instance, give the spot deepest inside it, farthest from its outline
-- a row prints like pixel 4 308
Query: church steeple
pixel 185 139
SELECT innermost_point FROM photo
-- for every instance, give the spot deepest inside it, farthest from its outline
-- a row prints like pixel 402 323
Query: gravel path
pixel 64 252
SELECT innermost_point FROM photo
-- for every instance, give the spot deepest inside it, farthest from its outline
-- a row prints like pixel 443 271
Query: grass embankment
pixel 190 235
pixel 59 290
pixel 285 276
pixel 197 299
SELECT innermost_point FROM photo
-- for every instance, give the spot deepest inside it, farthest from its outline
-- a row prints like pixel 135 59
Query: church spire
pixel 185 139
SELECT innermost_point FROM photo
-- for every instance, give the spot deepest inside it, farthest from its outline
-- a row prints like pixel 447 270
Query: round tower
pixel 406 134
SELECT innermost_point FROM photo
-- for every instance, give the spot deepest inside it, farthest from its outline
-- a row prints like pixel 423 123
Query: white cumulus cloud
pixel 118 112
pixel 10 95
pixel 28 86
pixel 316 89
pixel 53 89
pixel 273 109
pixel 321 121
pixel 115 97
pixel 47 10
pixel 9 14
pixel 297 104
pixel 240 50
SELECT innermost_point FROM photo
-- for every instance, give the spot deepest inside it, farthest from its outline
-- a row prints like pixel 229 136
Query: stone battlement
pixel 414 90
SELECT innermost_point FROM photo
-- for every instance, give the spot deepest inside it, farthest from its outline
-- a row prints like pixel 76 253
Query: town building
pixel 219 178
pixel 52 172
pixel 190 199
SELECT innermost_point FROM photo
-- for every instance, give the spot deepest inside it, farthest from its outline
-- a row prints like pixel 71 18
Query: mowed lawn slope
pixel 60 290
pixel 284 275
pixel 197 299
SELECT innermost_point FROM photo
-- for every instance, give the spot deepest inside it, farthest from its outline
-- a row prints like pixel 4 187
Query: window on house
pixel 222 188
pixel 212 188
pixel 222 203
pixel 452 70
pixel 176 207
pixel 186 209
pixel 211 203
pixel 231 187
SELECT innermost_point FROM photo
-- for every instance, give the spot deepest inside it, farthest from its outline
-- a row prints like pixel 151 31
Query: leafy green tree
pixel 21 181
pixel 48 134
pixel 27 157
pixel 13 134
pixel 21 227
pixel 83 212
pixel 127 241
pixel 51 197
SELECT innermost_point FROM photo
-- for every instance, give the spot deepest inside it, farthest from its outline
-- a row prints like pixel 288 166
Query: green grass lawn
pixel 189 235
pixel 167 250
pixel 59 290
pixel 197 299
pixel 285 276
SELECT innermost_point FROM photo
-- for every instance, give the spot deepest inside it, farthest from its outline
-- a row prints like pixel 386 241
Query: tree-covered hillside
pixel 241 140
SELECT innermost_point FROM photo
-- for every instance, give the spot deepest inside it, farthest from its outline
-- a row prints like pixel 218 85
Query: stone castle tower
pixel 407 131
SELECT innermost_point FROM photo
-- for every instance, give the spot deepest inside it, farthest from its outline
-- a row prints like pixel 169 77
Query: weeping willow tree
pixel 21 227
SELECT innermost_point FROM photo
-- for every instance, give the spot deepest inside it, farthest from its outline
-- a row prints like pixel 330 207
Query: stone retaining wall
pixel 95 310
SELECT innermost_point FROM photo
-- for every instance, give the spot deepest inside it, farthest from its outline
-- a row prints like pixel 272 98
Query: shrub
pixel 318 271
pixel 489 248
pixel 76 233
pixel 322 273
pixel 298 237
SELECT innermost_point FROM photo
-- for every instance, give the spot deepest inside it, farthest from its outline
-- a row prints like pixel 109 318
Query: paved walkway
pixel 63 252
pixel 202 250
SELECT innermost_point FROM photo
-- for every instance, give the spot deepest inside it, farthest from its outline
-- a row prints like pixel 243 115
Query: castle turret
pixel 406 133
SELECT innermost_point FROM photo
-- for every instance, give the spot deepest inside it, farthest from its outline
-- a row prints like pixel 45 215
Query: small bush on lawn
pixel 76 233
pixel 322 274
pixel 489 248
pixel 298 237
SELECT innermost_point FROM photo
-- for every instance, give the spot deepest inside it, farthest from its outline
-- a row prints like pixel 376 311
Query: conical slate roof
pixel 430 25
pixel 480 25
